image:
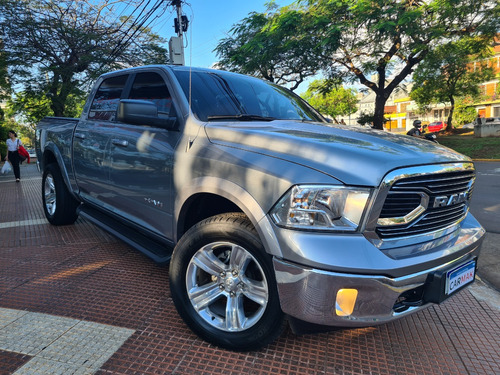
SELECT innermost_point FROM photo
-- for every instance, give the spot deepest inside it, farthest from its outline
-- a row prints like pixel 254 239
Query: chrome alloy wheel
pixel 227 286
pixel 49 191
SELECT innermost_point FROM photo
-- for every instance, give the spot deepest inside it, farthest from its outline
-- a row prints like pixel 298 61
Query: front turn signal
pixel 346 299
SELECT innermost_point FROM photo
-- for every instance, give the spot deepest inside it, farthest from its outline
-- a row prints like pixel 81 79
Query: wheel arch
pixel 52 155
pixel 209 196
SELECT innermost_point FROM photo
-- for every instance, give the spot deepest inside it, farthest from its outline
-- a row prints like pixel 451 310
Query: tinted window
pixel 218 94
pixel 151 86
pixel 106 99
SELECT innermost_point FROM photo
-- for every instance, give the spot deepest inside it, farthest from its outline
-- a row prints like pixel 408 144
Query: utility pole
pixel 176 44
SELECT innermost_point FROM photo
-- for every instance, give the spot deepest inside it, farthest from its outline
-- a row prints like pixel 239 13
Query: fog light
pixel 346 299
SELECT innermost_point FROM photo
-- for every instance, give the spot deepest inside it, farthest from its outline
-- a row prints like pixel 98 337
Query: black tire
pixel 58 204
pixel 222 262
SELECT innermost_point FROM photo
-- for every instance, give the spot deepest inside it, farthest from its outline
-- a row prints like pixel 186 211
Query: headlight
pixel 316 207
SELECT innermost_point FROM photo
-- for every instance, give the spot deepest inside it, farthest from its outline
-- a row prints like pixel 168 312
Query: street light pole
pixel 176 44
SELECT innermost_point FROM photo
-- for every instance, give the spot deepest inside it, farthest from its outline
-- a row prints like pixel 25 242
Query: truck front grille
pixel 437 201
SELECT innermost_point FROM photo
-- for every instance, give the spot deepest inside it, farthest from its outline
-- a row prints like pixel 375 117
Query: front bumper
pixel 309 294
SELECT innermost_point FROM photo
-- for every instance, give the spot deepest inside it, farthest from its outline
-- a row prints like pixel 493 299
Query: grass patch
pixel 476 148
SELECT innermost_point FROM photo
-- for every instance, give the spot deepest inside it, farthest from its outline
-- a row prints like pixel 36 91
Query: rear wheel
pixel 223 284
pixel 58 204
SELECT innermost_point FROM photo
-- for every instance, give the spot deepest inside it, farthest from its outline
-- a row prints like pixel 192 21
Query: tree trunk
pixel 378 116
pixel 59 97
pixel 449 127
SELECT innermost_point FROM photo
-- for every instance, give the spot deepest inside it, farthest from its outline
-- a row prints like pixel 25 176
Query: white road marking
pixel 23 223
pixel 58 345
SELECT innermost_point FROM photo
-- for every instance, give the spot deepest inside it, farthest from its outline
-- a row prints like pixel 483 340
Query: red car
pixel 435 126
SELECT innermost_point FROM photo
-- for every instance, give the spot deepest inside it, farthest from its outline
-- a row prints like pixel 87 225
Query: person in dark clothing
pixel 13 154
pixel 415 131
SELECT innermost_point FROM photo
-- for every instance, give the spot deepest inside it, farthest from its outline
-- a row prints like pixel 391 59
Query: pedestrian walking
pixel 13 154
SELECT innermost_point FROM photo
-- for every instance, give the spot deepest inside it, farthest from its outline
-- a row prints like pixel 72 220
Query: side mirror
pixel 143 112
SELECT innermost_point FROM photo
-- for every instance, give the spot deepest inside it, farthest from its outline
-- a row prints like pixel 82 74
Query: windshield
pixel 218 95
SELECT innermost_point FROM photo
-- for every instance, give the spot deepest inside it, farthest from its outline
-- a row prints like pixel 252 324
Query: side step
pixel 159 251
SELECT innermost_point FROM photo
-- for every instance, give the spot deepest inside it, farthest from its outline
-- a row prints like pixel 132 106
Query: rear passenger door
pixel 91 143
pixel 141 160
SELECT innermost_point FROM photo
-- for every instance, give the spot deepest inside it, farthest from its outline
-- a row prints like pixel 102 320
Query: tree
pixel 331 101
pixel 365 118
pixel 271 45
pixel 450 71
pixel 55 48
pixel 464 110
pixel 4 79
pixel 380 42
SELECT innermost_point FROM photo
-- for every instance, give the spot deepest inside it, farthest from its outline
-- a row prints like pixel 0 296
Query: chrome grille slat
pixel 451 217
pixel 403 197
pixel 436 178
pixel 434 188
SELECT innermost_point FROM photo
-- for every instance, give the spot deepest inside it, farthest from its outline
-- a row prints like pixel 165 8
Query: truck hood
pixel 355 156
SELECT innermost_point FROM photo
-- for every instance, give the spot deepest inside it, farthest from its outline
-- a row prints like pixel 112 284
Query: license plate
pixel 460 276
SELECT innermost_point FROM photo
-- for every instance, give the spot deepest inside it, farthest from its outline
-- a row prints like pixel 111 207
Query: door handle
pixel 80 135
pixel 120 142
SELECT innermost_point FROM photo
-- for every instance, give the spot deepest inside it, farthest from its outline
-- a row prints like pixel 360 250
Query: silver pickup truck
pixel 266 212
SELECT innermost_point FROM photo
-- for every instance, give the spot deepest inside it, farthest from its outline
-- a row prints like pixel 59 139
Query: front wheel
pixel 223 284
pixel 58 204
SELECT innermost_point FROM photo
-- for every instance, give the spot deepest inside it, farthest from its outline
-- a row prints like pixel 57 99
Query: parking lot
pixel 77 300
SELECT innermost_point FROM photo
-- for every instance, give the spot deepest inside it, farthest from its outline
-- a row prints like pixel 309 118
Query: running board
pixel 159 251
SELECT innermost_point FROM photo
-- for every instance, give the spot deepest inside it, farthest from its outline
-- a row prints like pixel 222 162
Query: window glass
pixel 217 95
pixel 151 86
pixel 106 99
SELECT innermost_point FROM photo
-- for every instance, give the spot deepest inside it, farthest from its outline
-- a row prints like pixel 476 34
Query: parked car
pixel 263 208
pixel 435 126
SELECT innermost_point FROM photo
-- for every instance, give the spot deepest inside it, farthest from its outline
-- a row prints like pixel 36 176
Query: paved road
pixel 485 203
pixel 485 206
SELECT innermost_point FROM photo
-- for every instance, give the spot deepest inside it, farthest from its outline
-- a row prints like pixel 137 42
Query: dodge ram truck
pixel 266 213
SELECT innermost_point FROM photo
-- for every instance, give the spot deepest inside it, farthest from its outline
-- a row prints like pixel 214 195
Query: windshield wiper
pixel 241 117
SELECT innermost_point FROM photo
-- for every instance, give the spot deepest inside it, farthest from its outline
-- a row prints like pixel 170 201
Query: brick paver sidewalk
pixel 82 288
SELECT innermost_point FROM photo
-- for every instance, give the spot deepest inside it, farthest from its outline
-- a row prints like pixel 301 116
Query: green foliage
pixel 331 101
pixel 272 45
pixel 4 133
pixel 32 105
pixel 4 78
pixel 63 45
pixel 449 72
pixel 464 111
pixel 3 150
pixel 375 42
pixel 365 118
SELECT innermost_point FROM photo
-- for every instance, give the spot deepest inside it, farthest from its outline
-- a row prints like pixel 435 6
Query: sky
pixel 210 21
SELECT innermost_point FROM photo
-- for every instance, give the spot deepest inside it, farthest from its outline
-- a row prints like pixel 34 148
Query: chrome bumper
pixel 310 294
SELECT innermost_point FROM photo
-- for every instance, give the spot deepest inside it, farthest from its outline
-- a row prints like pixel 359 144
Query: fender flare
pixel 54 150
pixel 237 195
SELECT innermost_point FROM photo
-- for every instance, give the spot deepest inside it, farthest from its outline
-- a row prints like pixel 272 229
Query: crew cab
pixel 266 212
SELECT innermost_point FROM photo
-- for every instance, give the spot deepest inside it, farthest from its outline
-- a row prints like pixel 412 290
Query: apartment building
pixel 490 106
pixel 400 111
